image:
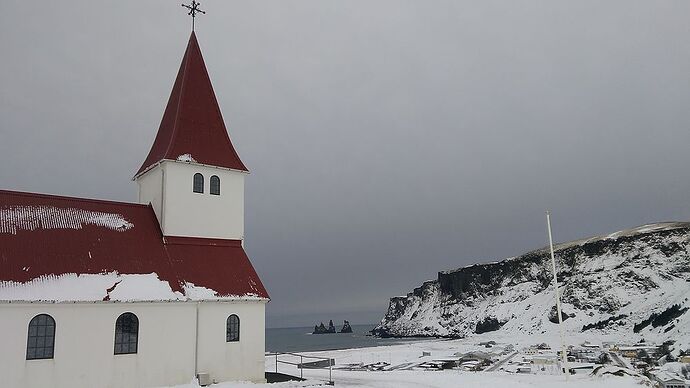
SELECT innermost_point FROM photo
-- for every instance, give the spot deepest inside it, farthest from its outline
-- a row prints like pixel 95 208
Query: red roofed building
pixel 100 293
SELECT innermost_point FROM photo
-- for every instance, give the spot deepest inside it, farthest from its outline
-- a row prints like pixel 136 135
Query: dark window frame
pixel 232 328
pixel 127 334
pixel 40 341
pixel 214 185
pixel 198 183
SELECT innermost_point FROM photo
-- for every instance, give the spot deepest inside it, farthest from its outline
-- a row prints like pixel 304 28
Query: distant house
pixel 97 293
pixel 589 345
pixel 578 368
pixel 667 380
pixel 631 351
pixel 584 353
pixel 545 359
pixel 641 365
pixel 472 365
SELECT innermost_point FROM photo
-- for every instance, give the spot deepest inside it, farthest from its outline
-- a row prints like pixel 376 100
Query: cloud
pixel 387 140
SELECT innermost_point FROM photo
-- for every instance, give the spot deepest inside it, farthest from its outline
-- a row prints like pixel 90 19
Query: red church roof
pixel 46 238
pixel 192 125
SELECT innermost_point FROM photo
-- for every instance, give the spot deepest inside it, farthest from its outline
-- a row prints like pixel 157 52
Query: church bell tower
pixel 192 176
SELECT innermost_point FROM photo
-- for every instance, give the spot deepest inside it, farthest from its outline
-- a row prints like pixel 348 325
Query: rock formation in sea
pixel 321 329
pixel 346 328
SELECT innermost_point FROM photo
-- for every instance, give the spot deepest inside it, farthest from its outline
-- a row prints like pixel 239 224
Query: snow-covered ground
pixel 401 369
pixel 447 379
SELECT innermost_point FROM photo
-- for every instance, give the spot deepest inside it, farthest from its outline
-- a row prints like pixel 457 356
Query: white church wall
pixel 189 214
pixel 244 359
pixel 84 344
pixel 150 189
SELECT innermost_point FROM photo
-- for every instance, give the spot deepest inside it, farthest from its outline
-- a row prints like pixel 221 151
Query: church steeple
pixel 192 128
pixel 192 177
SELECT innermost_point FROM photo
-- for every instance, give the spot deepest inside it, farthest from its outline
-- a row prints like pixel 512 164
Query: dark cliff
pixel 608 284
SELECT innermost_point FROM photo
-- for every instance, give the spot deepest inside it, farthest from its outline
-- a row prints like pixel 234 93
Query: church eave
pixel 151 167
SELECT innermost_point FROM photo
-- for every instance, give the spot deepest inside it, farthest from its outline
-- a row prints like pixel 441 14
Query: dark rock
pixel 553 315
pixel 320 329
pixel 661 319
pixel 604 323
pixel 488 324
pixel 346 327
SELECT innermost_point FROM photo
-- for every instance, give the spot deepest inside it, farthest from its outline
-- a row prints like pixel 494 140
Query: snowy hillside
pixel 627 285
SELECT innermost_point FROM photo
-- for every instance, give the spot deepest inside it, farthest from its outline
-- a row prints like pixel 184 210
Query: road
pixel 616 358
pixel 498 364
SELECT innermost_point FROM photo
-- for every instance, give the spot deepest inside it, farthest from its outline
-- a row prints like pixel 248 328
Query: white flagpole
pixel 558 299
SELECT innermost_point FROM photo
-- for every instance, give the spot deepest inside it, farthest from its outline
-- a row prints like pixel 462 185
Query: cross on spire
pixel 193 9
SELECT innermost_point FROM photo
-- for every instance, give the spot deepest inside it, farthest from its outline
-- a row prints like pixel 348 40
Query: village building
pixel 581 368
pixel 668 380
pixel 99 293
pixel 545 359
pixel 585 354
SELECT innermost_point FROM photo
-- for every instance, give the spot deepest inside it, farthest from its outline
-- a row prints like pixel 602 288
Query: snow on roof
pixel 71 249
pixel 89 287
pixel 665 377
pixel 15 218
pixel 581 365
pixel 186 158
pixel 110 286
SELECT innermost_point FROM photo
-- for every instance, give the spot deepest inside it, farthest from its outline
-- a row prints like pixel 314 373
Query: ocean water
pixel 300 339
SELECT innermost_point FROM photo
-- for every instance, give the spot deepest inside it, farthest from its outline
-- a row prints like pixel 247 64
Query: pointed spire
pixel 192 125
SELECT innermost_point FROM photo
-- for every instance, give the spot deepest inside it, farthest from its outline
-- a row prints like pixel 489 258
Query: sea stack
pixel 346 327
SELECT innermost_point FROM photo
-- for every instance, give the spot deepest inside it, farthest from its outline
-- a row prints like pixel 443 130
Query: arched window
pixel 198 183
pixel 215 185
pixel 126 333
pixel 41 342
pixel 233 330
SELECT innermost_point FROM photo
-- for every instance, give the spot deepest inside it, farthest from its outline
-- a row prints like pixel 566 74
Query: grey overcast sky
pixel 387 140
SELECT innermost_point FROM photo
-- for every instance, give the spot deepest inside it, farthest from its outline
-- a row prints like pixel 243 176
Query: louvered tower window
pixel 215 185
pixel 198 183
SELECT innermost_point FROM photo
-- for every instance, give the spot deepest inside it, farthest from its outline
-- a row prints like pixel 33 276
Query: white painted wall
pixel 84 344
pixel 151 189
pixel 186 213
pixel 243 360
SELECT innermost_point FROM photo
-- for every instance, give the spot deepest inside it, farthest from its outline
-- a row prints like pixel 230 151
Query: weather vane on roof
pixel 193 9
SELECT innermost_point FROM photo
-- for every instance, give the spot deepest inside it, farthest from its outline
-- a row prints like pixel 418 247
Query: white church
pixel 98 293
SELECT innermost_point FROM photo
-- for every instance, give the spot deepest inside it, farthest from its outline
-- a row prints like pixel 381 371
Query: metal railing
pixel 301 366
